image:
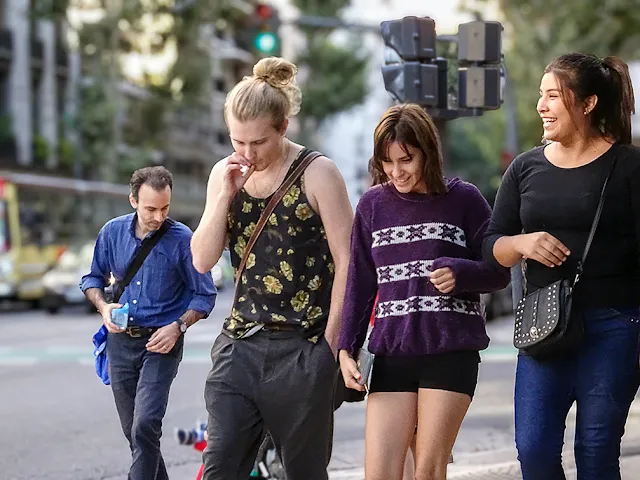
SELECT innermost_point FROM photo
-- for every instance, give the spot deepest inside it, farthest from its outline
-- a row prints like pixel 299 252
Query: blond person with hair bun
pixel 274 364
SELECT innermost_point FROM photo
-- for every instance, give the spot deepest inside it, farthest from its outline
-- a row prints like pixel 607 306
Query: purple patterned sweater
pixel 397 240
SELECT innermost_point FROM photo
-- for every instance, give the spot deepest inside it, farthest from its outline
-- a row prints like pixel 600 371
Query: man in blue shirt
pixel 166 296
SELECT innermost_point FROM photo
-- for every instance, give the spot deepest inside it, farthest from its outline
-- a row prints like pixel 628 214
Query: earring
pixel 586 112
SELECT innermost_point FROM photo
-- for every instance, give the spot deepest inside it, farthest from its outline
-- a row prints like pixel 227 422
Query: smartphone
pixel 365 364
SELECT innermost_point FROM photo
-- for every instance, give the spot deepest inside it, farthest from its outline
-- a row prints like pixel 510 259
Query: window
pixel 218 85
pixel 4 227
pixel 3 6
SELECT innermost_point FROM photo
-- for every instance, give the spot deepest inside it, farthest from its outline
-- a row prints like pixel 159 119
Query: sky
pixel 444 12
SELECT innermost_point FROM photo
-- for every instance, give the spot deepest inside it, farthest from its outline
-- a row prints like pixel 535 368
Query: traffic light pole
pixel 441 125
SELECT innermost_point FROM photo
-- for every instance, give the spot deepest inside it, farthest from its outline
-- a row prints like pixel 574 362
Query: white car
pixel 61 283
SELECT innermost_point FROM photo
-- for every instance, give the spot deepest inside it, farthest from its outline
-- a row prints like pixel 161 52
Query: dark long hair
pixel 409 124
pixel 608 79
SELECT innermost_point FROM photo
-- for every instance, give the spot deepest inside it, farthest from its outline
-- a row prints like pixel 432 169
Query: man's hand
pixel 163 339
pixel 443 279
pixel 350 372
pixel 105 311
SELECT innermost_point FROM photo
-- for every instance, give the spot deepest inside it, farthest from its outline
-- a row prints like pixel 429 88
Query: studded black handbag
pixel 544 321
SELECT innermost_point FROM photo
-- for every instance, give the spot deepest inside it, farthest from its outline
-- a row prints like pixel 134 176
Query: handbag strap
pixel 594 225
pixel 308 156
pixel 139 258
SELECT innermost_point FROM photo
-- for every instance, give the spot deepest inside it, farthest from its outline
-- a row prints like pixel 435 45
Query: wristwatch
pixel 181 325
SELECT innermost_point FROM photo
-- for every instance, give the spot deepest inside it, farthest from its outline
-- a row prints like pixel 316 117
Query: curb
pixel 496 464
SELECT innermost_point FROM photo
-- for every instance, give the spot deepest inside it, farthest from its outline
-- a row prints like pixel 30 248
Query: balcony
pixel 62 61
pixel 192 136
pixel 6 47
pixel 37 55
pixel 8 153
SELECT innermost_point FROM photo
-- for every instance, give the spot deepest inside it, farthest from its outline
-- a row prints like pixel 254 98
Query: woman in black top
pixel 543 213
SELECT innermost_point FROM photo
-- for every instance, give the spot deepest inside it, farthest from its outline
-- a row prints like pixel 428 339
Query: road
pixel 59 422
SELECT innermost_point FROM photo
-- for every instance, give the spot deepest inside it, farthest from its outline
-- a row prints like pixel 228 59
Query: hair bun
pixel 276 71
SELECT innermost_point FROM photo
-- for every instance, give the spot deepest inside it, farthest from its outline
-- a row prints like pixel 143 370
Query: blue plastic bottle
pixel 120 316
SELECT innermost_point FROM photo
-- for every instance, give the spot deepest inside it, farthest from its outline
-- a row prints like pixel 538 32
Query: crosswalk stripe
pixel 194 355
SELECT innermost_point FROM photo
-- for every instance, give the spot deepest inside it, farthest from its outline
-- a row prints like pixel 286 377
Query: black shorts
pixel 451 371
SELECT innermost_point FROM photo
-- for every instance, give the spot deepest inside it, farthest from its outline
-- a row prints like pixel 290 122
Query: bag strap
pixel 594 225
pixel 308 156
pixel 592 233
pixel 139 258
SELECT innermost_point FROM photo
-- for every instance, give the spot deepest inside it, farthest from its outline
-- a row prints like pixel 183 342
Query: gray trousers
pixel 272 381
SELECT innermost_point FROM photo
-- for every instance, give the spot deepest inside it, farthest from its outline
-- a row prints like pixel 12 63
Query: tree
pixel 335 74
pixel 474 153
pixel 126 27
pixel 539 30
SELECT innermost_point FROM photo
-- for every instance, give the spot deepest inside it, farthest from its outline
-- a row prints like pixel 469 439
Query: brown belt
pixel 138 332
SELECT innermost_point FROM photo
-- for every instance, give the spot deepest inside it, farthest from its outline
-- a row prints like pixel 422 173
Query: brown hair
pixel 608 79
pixel 374 174
pixel 271 90
pixel 157 178
pixel 409 124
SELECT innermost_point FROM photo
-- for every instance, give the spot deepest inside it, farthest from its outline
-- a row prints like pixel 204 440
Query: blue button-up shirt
pixel 167 284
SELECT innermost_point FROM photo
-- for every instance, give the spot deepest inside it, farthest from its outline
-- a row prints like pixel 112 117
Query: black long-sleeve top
pixel 536 196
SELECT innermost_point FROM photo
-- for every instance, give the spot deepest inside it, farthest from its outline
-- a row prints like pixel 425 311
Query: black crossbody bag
pixel 544 324
pixel 112 293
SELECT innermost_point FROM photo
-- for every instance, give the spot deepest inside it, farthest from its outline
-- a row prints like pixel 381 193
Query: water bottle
pixel 120 316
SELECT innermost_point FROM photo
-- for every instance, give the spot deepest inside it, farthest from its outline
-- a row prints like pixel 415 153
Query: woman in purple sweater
pixel 416 241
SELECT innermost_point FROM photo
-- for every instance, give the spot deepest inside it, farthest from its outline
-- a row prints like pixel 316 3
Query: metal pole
pixel 441 125
pixel 511 148
pixel 113 91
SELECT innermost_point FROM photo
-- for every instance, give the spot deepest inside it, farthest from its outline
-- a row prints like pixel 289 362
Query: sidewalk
pixel 503 465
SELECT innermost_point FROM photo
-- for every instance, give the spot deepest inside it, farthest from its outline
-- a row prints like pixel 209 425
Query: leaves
pixel 336 81
pixel 321 8
pixel 335 73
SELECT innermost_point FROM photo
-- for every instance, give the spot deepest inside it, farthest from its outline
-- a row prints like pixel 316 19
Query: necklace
pixel 284 162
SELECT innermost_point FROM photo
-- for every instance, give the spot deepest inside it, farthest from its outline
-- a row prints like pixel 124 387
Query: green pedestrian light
pixel 266 42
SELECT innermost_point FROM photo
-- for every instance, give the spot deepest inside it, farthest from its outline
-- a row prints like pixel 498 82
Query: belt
pixel 138 332
pixel 282 327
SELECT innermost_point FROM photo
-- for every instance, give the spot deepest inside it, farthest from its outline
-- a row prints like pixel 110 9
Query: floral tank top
pixel 289 273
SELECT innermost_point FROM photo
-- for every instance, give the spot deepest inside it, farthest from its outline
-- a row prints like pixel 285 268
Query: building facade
pixel 40 96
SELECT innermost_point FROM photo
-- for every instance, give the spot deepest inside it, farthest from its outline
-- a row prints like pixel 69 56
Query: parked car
pixel 498 304
pixel 61 283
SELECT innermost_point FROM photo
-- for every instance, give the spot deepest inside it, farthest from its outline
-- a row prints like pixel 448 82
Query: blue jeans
pixel 602 377
pixel 140 381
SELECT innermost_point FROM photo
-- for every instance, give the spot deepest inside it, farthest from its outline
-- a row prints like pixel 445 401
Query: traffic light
pixel 414 73
pixel 479 56
pixel 410 45
pixel 266 41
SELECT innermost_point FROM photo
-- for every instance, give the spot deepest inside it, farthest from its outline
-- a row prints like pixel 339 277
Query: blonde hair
pixel 271 90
